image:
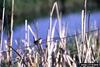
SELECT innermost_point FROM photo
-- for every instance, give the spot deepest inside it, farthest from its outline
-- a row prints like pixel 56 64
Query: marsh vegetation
pixel 63 51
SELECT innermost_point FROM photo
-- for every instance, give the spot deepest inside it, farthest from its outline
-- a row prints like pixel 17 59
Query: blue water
pixel 73 22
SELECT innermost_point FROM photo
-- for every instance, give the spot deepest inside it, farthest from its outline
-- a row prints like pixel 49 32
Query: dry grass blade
pixel 78 48
pixel 33 33
pixel 51 45
pixel 11 34
pixel 83 26
pixel 53 29
pixel 26 35
pixel 2 24
pixel 51 33
pixel 55 6
pixel 1 36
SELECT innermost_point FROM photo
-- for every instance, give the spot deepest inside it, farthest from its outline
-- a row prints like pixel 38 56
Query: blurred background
pixel 32 9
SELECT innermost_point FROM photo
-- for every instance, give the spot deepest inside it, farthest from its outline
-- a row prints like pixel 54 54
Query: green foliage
pixel 4 63
pixel 72 49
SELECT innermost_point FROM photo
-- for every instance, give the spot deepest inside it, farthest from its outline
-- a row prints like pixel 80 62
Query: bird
pixel 38 41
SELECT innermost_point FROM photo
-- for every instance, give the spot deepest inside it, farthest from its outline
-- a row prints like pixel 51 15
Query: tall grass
pixel 11 34
pixel 2 23
pixel 57 53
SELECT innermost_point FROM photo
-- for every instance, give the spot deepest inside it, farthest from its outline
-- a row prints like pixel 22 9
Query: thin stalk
pixel 2 24
pixel 55 6
pixel 33 33
pixel 26 34
pixel 78 48
pixel 83 27
pixel 1 38
pixel 88 24
pixel 28 39
pixel 11 34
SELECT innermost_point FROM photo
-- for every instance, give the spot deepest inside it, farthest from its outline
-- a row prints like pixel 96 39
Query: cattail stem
pixel 2 24
pixel 11 34
pixel 83 26
pixel 1 38
pixel 26 35
pixel 88 24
